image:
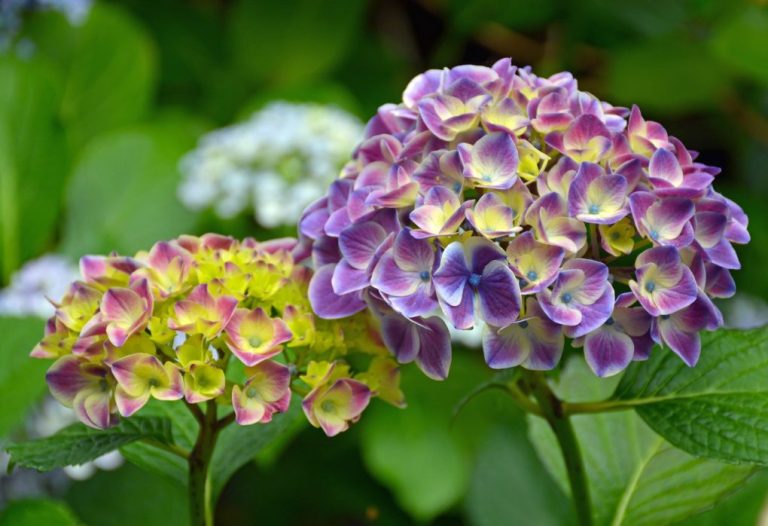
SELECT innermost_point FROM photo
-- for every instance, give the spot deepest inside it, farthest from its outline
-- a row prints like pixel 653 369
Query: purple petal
pixel 434 357
pixel 451 276
pixel 421 303
pixel 507 347
pixel 401 337
pixel 358 243
pixel 665 167
pixel 347 279
pixel 389 278
pixel 594 315
pixel 608 351
pixel 462 315
pixel 325 302
pixel 499 295
pixel 413 254
pixel 492 161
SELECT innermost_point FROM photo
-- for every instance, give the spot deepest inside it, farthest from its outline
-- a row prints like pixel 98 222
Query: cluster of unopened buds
pixel 491 195
pixel 210 318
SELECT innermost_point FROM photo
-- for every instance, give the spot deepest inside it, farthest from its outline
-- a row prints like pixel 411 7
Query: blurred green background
pixel 94 117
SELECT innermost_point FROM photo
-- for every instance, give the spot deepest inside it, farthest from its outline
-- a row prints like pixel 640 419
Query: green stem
pixel 552 411
pixel 199 460
pixel 595 246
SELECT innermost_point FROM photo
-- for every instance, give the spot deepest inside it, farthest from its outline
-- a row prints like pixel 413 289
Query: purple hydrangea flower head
pixel 494 197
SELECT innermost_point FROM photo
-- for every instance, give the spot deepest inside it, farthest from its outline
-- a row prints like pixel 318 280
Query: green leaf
pixel 292 40
pixel 184 428
pixel 33 161
pixel 741 42
pixel 634 476
pixel 34 512
pixel 401 448
pixel 22 379
pixel 718 409
pixel 77 444
pixel 650 74
pixel 123 191
pixel 128 496
pixel 238 445
pixel 511 486
pixel 744 507
pixel 108 67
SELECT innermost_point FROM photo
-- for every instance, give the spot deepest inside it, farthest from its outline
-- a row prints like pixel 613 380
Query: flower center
pixel 594 209
pixel 654 235
pixel 251 392
pixel 566 298
pixel 328 406
pixel 474 280
pixel 532 275
pixel 254 341
pixel 523 324
pixel 457 187
pixel 650 286
pixel 610 321
pixel 424 275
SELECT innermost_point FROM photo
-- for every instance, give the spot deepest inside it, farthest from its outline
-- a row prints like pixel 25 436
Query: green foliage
pixel 78 444
pixel 293 40
pixel 403 448
pixel 129 496
pixel 509 485
pixel 741 42
pixel 99 93
pixel 22 381
pixel 718 409
pixel 33 161
pixel 238 445
pixel 34 512
pixel 184 429
pixel 123 191
pixel 650 75
pixel 634 476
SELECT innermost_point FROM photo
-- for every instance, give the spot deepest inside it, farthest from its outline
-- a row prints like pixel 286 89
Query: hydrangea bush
pixel 491 195
pixel 286 149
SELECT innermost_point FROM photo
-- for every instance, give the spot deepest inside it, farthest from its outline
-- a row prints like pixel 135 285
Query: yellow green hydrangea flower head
pixel 211 318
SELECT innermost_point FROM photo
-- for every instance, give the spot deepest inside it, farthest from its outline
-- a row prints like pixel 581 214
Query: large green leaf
pixel 34 512
pixel 123 191
pixel 22 379
pixel 741 42
pixel 718 409
pixel 511 486
pixel 292 40
pixel 77 444
pixel 420 453
pixel 107 65
pixel 33 160
pixel 634 476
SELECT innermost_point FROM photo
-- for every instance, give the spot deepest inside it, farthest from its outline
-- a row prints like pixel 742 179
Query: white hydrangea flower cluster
pixel 37 282
pixel 275 164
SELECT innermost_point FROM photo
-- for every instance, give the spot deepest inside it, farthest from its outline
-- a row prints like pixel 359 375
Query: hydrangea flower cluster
pixel 210 318
pixel 291 150
pixel 492 195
